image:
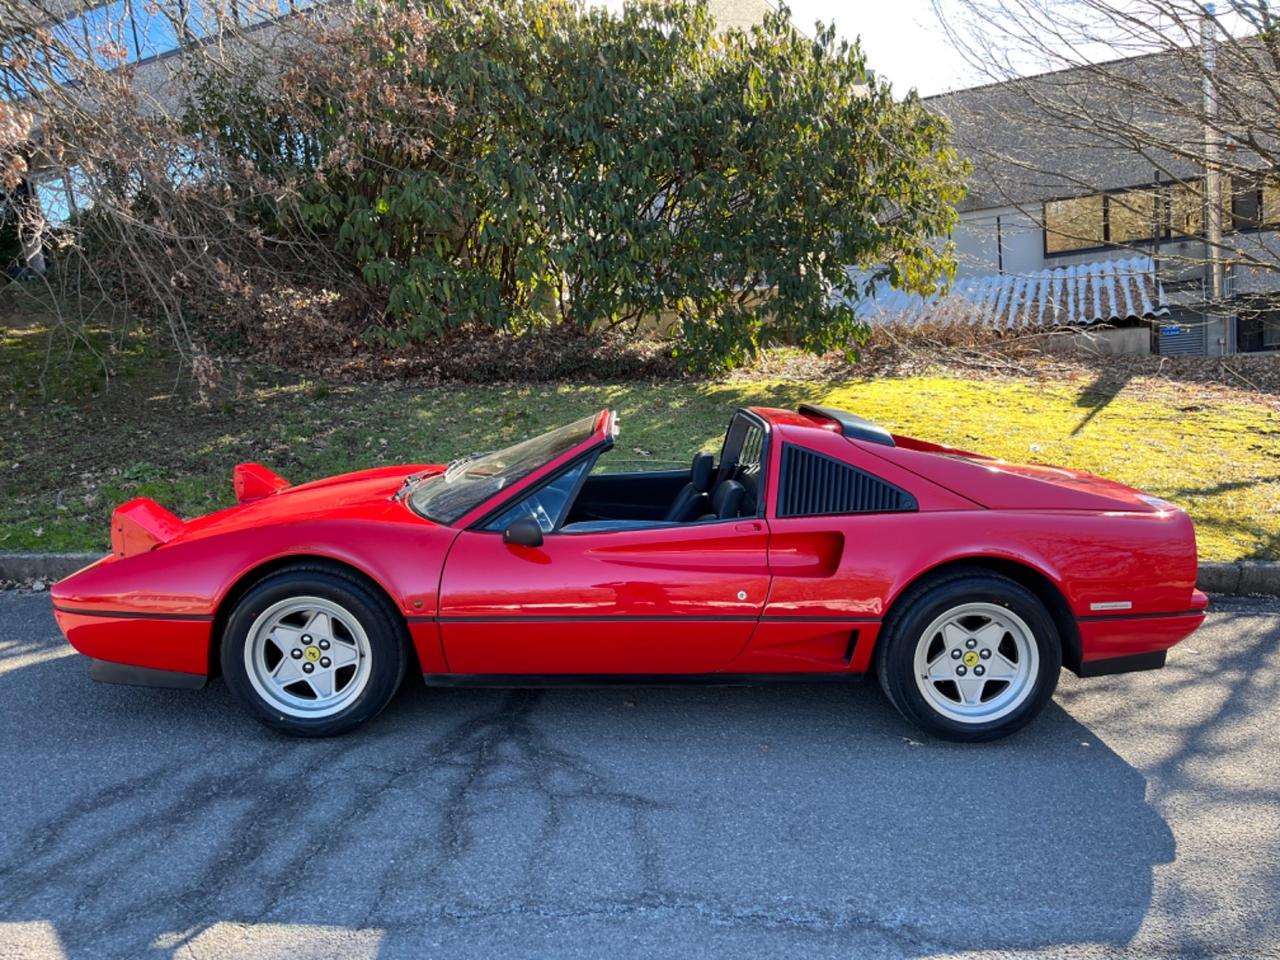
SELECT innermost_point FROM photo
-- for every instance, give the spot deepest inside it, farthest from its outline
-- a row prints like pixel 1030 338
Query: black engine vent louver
pixel 817 485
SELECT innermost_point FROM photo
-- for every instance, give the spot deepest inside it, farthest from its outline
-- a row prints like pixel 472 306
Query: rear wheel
pixel 971 657
pixel 312 652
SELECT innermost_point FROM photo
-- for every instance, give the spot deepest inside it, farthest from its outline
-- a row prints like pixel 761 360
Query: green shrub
pixel 523 164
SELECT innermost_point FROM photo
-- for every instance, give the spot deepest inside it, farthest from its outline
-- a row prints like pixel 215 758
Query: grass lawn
pixel 78 445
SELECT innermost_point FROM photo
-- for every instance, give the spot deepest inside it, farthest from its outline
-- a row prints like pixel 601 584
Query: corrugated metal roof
pixel 1104 290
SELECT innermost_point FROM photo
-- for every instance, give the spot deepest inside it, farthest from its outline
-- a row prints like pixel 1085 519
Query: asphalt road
pixel 1140 816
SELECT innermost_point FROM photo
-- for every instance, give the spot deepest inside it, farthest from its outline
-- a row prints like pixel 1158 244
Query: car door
pixel 659 599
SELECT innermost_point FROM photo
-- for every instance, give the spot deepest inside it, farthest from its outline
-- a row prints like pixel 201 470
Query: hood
pixel 267 499
pixel 363 492
pixel 1001 485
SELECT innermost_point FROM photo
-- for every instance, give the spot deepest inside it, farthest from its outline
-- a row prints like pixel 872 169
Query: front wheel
pixel 972 657
pixel 312 652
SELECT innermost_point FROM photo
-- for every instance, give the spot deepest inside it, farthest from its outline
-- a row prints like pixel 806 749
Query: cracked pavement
pixel 1139 816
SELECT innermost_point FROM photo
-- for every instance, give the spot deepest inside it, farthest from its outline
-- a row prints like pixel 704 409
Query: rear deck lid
pixel 1001 485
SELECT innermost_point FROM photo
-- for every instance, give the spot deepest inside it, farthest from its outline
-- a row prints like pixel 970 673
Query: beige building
pixel 1069 226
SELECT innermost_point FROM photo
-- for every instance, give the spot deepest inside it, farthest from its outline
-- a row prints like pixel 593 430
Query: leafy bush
pixel 499 168
pixel 520 164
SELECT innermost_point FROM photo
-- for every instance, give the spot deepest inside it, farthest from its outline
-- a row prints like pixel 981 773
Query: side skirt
pixel 631 679
pixel 104 671
pixel 1137 661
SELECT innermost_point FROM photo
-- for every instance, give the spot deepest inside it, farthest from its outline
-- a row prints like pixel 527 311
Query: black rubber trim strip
pixel 632 679
pixel 643 619
pixel 1127 664
pixel 134 616
pixel 1121 615
pixel 104 671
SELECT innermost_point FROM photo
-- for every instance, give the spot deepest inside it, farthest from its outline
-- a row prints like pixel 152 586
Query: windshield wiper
pixel 455 466
pixel 450 473
pixel 409 481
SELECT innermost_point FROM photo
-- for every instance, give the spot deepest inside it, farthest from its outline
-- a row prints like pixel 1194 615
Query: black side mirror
pixel 524 532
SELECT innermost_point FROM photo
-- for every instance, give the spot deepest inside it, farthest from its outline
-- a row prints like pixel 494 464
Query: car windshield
pixel 470 480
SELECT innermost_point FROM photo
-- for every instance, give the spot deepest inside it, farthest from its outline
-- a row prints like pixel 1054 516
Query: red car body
pixel 771 594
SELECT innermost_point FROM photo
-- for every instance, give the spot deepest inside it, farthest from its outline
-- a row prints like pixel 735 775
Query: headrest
pixel 728 499
pixel 703 465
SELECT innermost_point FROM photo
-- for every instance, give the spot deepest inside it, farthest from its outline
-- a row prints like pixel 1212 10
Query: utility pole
pixel 1213 179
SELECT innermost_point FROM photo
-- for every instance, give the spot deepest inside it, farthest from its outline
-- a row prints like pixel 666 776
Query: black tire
pixel 920 607
pixel 385 631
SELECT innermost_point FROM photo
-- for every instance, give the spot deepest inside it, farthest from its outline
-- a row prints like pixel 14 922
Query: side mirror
pixel 524 532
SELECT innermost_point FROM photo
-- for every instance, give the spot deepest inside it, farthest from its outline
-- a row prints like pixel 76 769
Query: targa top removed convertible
pixel 816 546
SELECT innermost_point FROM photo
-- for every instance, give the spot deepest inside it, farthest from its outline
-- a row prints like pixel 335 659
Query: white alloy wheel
pixel 976 663
pixel 307 657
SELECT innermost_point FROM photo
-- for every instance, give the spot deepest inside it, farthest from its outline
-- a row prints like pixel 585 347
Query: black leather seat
pixel 691 502
pixel 726 503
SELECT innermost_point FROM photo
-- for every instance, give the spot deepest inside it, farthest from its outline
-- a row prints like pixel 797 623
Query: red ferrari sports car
pixel 818 546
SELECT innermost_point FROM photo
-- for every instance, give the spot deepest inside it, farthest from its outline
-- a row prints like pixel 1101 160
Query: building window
pixel 1270 201
pixel 121 32
pixel 1245 203
pixel 1255 202
pixel 1075 224
pixel 1132 216
pixel 1185 205
pixel 1258 326
pixel 1172 211
pixel 1100 220
pixel 55 201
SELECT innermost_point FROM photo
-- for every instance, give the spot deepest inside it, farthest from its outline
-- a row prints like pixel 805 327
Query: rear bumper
pixel 1122 644
pixel 157 643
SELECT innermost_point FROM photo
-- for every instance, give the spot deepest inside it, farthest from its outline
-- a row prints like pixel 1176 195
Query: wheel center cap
pixel 312 653
pixel 970 657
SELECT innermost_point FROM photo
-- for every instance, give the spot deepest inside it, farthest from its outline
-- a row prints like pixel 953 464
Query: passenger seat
pixel 727 502
pixel 691 501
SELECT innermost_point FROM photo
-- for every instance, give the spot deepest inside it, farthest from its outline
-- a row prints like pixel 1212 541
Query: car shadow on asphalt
pixel 140 821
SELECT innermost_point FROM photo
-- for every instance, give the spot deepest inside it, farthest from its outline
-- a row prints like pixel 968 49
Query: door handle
pixel 754 526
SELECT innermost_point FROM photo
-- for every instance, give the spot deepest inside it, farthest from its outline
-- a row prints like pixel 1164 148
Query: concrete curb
pixel 1242 577
pixel 47 567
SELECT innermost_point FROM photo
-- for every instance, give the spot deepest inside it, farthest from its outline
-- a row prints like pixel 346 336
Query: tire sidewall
pixel 898 668
pixel 385 643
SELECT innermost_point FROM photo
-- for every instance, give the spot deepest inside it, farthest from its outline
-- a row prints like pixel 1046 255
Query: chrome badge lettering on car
pixel 1112 605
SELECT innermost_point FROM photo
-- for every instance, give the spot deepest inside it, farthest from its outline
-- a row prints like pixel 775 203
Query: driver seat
pixel 691 501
